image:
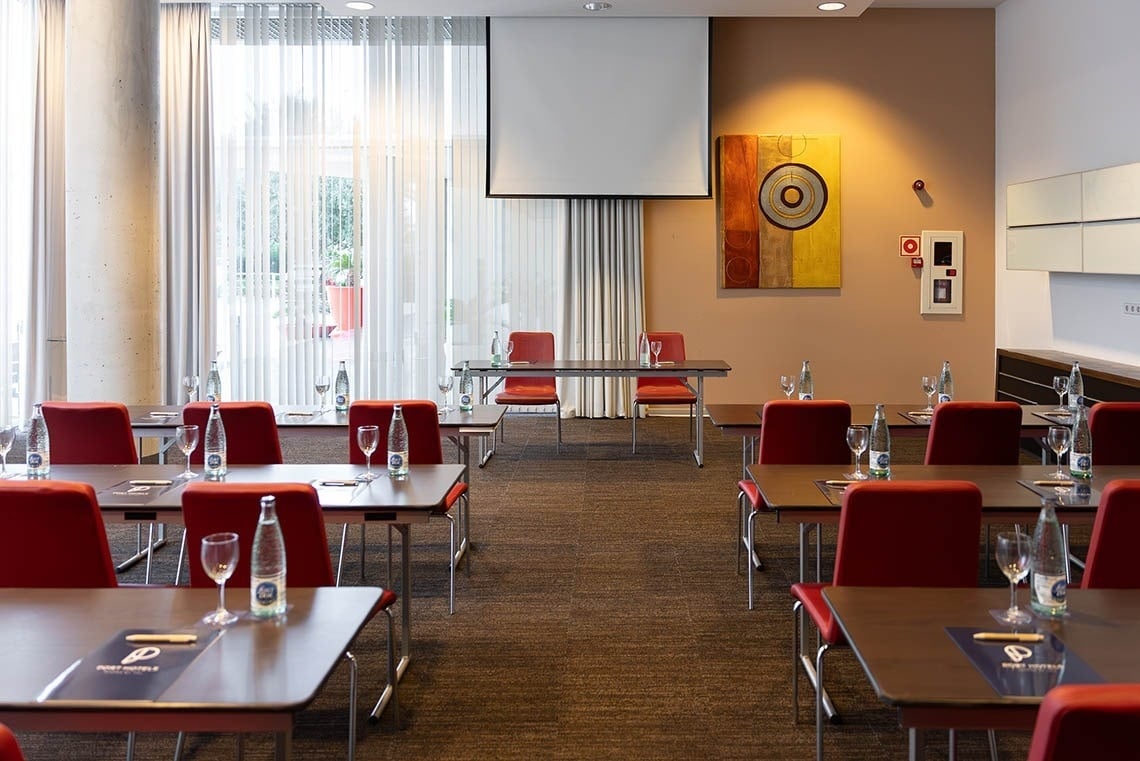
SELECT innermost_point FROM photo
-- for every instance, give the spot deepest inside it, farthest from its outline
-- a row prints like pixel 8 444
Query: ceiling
pixel 636 7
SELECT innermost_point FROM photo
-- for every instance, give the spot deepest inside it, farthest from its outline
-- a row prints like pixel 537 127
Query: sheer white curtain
pixel 17 109
pixel 605 302
pixel 187 205
pixel 362 142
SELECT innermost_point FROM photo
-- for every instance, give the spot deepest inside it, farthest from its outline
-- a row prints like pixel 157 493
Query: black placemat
pixel 1023 669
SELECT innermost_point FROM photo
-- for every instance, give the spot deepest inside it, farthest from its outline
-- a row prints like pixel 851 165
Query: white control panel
pixel 943 282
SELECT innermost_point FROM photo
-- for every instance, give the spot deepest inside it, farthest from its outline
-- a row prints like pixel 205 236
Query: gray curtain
pixel 186 204
pixel 605 299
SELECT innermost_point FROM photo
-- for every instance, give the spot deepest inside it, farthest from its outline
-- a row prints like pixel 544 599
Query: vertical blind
pixel 364 140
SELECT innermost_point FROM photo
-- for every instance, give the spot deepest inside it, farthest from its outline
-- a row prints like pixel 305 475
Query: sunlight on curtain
pixel 18 33
pixel 350 161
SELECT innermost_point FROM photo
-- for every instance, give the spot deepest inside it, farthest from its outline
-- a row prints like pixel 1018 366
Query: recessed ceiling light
pixel 359 5
pixel 831 6
pixel 595 6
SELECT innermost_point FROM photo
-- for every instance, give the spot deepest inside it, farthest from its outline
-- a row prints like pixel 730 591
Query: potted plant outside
pixel 346 298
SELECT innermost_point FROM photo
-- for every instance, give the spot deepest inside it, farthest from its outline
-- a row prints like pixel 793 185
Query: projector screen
pixel 598 107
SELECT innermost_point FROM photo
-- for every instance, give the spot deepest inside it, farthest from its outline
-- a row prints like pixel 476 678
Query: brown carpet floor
pixel 603 618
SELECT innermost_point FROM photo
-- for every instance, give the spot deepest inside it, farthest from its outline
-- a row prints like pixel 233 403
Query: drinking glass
pixel 367 437
pixel 187 438
pixel 655 347
pixel 510 347
pixel 1059 438
pixel 189 385
pixel 7 436
pixel 928 388
pixel 219 556
pixel 321 384
pixel 857 442
pixel 787 385
pixel 1011 551
pixel 1061 387
pixel 445 382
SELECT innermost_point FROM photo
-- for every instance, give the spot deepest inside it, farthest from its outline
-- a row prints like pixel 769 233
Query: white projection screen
pixel 614 107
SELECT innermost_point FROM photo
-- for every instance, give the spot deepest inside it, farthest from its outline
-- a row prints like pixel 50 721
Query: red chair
pixel 90 433
pixel 424 448
pixel 208 508
pixel 251 432
pixel 869 553
pixel 1079 722
pixel 9 748
pixel 251 439
pixel 792 432
pixel 974 433
pixel 655 389
pixel 1114 427
pixel 76 554
pixel 1110 563
pixel 532 347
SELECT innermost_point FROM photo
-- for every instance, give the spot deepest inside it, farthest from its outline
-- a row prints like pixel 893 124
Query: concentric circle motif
pixel 793 196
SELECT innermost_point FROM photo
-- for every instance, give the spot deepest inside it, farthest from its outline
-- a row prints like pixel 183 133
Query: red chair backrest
pixel 672 350
pixel 974 433
pixel 208 508
pixel 531 346
pixel 1110 563
pixel 909 534
pixel 9 748
pixel 794 432
pixel 52 535
pixel 1087 722
pixel 251 432
pixel 421 417
pixel 90 433
pixel 1114 427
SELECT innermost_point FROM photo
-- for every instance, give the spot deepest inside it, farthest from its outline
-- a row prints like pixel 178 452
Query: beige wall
pixel 911 95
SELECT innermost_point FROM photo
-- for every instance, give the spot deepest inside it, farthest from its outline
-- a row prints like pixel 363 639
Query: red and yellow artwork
pixel 778 211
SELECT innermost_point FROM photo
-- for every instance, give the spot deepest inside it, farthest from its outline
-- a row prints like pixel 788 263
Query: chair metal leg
pixel 740 532
pixel 952 746
pixel 390 696
pixel 181 559
pixel 362 527
pixel 819 701
pixel 558 415
pixel 635 427
pixel 179 744
pixel 751 543
pixel 130 746
pixel 797 625
pixel 992 737
pixel 340 555
pixel 451 564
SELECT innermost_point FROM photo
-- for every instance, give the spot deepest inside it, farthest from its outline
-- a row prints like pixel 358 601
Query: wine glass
pixel 1059 438
pixel 219 556
pixel 190 386
pixel 7 436
pixel 1061 387
pixel 655 347
pixel 321 384
pixel 1011 550
pixel 787 385
pixel 367 437
pixel 928 388
pixel 509 349
pixel 857 442
pixel 445 383
pixel 187 438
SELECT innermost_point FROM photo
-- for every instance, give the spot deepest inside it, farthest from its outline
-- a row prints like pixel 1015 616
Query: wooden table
pixel 396 503
pixel 899 637
pixel 271 672
pixel 743 420
pixel 603 368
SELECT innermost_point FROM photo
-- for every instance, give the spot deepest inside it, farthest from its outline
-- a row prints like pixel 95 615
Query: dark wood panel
pixel 1027 375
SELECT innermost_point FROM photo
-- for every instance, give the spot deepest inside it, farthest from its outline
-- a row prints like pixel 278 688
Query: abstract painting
pixel 778 211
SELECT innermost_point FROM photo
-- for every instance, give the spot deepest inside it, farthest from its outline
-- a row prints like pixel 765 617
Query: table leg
pixel 283 745
pixel 406 599
pixel 916 742
pixel 463 448
pixel 700 412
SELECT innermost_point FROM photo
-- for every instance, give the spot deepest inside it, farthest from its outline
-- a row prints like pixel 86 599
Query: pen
pixel 338 483
pixel 838 483
pixel 1007 637
pixel 157 482
pixel 1052 483
pixel 166 639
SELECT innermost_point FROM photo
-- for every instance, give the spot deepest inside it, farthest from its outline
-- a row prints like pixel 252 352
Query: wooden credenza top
pixel 1112 372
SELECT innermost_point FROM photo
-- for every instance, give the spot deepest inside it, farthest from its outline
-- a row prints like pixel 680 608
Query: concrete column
pixel 114 315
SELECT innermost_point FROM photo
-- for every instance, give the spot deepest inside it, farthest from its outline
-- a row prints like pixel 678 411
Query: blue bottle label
pixel 211 397
pixel 213 461
pixel 266 593
pixel 35 459
pixel 341 400
pixel 806 397
pixel 395 461
pixel 1083 463
pixel 943 398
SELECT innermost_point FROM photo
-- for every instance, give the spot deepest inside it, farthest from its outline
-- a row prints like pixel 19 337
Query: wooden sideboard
pixel 1026 376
